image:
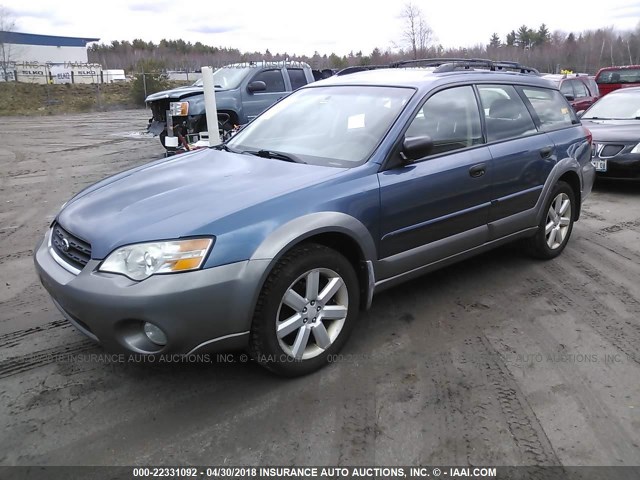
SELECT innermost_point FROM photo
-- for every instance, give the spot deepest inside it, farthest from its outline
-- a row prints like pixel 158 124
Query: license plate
pixel 601 165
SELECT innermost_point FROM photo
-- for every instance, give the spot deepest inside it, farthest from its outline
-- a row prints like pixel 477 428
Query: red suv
pixel 580 89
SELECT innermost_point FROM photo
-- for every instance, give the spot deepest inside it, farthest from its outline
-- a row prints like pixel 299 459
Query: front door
pixel 254 103
pixel 442 200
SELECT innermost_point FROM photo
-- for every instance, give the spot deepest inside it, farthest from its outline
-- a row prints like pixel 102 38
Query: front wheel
pixel 556 225
pixel 305 312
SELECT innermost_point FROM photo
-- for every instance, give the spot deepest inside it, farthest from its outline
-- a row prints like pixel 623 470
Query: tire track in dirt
pixel 565 289
pixel 521 420
pixel 15 338
pixel 23 363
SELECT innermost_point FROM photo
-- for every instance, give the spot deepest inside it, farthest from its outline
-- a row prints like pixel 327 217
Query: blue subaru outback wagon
pixel 273 241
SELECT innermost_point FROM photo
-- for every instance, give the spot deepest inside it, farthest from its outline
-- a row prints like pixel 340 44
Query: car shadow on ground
pixel 626 187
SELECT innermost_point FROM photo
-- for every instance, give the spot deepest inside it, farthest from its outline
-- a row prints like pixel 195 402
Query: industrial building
pixel 33 48
pixel 48 59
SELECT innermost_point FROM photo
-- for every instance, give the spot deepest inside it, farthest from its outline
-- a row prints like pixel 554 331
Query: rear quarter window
pixel 550 106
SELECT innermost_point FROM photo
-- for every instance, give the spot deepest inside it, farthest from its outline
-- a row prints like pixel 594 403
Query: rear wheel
pixel 556 224
pixel 305 312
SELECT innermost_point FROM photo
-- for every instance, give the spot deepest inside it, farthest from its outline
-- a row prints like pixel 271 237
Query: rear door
pixel 522 156
pixel 445 195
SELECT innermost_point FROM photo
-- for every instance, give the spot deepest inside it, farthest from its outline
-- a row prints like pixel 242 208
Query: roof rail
pixel 358 68
pixel 453 64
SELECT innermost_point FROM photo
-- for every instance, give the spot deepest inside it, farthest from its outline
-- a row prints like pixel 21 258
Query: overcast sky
pixel 302 27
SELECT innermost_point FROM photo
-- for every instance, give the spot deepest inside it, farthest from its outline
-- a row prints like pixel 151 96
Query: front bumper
pixel 621 166
pixel 208 309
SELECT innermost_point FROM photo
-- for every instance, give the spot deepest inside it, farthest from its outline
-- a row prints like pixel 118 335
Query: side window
pixel 551 107
pixel 567 88
pixel 580 89
pixel 273 79
pixel 506 115
pixel 296 75
pixel 450 118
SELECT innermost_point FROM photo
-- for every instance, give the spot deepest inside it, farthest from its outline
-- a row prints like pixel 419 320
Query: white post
pixel 210 106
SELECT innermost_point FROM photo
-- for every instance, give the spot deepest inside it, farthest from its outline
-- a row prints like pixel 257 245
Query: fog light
pixel 154 334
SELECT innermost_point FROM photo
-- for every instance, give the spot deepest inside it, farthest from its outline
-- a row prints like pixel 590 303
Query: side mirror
pixel 414 148
pixel 569 97
pixel 257 86
pixel 580 113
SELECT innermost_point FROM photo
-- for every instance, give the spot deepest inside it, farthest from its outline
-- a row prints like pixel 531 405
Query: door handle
pixel 478 170
pixel 546 152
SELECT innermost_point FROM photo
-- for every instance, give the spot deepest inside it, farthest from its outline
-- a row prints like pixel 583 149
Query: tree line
pixel 536 47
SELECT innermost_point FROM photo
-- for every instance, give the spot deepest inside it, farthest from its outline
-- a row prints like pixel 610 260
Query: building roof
pixel 18 38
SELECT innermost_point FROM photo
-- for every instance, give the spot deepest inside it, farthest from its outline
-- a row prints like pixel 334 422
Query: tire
pixel 292 333
pixel 554 229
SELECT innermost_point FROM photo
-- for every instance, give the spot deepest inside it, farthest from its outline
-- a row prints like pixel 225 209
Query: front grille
pixel 70 248
pixel 159 109
pixel 611 150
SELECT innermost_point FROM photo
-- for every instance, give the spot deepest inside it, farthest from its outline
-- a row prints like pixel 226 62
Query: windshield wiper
pixel 287 157
pixel 224 147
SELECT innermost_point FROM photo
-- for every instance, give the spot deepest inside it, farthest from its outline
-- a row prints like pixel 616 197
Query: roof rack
pixel 448 65
pixel 454 64
pixel 358 68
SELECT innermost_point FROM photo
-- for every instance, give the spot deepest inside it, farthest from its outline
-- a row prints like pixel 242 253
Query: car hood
pixel 177 93
pixel 177 197
pixel 614 130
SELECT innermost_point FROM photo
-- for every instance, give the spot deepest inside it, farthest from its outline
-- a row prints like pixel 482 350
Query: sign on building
pixel 86 73
pixel 32 72
pixel 60 73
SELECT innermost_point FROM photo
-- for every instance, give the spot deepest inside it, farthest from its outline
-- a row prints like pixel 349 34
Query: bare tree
pixel 417 34
pixel 7 24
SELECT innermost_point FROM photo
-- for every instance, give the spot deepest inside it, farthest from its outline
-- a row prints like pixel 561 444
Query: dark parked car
pixel 579 89
pixel 274 240
pixel 614 122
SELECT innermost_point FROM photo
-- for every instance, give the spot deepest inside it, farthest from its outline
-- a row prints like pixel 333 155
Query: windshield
pixel 226 78
pixel 335 126
pixel 620 105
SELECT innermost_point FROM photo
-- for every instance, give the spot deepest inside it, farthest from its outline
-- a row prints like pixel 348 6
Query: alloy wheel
pixel 558 221
pixel 312 313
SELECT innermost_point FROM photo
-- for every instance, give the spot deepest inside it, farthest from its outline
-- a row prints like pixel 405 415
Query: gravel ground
pixel 500 360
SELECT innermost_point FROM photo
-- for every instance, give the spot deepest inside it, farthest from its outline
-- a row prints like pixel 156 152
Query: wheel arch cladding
pixel 573 180
pixel 335 230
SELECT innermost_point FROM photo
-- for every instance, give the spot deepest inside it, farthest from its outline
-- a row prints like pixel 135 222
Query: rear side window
pixel 580 90
pixel 551 108
pixel 297 77
pixel 566 88
pixel 506 115
pixel 593 87
pixel 450 118
pixel 273 79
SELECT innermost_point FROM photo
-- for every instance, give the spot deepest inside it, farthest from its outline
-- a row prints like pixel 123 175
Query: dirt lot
pixel 501 360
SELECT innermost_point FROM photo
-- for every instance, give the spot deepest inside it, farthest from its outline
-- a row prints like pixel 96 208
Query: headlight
pixel 636 149
pixel 142 260
pixel 179 109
